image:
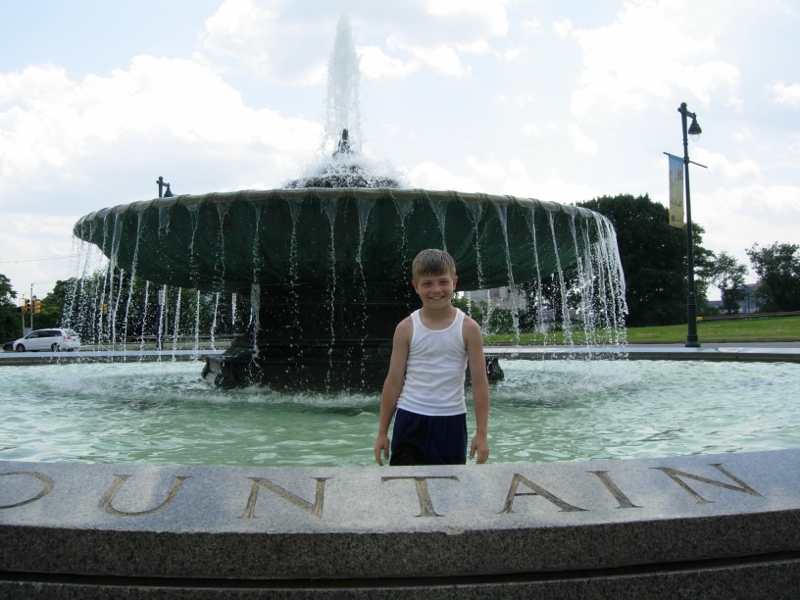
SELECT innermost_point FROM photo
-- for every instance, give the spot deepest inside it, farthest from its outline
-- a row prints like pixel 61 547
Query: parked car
pixel 48 339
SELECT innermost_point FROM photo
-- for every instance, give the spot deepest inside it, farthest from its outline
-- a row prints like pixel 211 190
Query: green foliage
pixel 554 295
pixel 473 309
pixel 10 323
pixel 653 255
pixel 728 274
pixel 501 321
pixel 778 269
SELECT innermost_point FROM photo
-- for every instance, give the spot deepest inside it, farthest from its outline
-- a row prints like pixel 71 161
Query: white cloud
pixel 442 58
pixel 537 131
pixel 786 94
pixel 735 218
pixel 245 35
pixel 555 188
pixel 651 50
pixel 726 168
pixel 29 238
pixel 434 177
pixel 277 41
pixel 54 121
pixel 491 12
pixel 375 64
pixel 580 141
pixel 531 26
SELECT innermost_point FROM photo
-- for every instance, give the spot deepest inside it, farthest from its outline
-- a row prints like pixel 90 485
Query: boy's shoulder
pixel 406 326
pixel 471 329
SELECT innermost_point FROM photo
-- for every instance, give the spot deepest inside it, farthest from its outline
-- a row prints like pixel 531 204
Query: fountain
pixel 326 260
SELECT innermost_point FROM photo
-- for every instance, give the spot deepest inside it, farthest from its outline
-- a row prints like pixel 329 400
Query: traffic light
pixel 105 309
pixel 26 306
pixel 37 307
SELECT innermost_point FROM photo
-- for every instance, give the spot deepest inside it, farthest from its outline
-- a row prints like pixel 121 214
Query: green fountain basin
pixel 329 269
pixel 227 241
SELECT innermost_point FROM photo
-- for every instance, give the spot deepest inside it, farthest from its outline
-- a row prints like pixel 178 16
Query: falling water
pixel 529 215
pixel 294 211
pixel 503 215
pixel 590 242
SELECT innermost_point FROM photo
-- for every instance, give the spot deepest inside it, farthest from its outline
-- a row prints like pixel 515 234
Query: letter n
pixel 259 482
pixel 676 477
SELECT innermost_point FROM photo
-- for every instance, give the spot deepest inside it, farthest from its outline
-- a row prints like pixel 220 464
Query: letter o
pixel 47 487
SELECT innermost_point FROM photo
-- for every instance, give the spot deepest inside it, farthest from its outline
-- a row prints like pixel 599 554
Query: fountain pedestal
pixel 316 337
pixel 313 337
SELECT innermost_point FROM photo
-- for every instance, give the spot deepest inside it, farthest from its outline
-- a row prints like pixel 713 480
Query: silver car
pixel 54 340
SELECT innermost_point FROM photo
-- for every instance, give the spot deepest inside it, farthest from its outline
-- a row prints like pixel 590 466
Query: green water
pixel 163 414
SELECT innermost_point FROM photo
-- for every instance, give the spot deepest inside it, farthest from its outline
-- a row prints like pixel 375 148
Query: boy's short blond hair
pixel 433 262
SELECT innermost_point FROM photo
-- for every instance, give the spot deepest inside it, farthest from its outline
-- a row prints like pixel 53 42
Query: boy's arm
pixel 393 386
pixel 473 339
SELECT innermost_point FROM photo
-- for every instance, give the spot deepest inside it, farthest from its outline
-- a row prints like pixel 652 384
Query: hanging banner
pixel 675 191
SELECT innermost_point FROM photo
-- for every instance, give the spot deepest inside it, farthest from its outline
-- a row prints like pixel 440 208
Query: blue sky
pixel 561 101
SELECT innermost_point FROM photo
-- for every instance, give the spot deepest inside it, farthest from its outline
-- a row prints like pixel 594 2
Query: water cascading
pixel 326 260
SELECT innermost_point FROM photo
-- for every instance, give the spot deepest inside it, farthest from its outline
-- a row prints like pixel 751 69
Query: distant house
pixel 501 297
pixel 748 305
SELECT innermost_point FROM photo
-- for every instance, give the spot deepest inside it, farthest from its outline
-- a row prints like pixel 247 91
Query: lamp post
pixel 691 300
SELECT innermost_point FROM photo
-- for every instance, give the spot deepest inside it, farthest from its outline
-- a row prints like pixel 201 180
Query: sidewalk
pixel 728 351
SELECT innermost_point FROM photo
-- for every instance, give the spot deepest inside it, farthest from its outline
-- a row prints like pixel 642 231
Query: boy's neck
pixel 437 318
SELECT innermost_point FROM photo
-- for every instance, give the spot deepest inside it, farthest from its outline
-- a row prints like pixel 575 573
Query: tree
pixel 778 270
pixel 653 255
pixel 9 317
pixel 557 294
pixel 727 274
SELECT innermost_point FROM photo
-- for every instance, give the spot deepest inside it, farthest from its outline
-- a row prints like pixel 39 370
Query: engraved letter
pixel 259 482
pixel 537 491
pixel 47 487
pixel 676 477
pixel 425 502
pixel 612 487
pixel 108 498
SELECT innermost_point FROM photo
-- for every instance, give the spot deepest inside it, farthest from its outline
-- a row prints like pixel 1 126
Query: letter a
pixel 537 491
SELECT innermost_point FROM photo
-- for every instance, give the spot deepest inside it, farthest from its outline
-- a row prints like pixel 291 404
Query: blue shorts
pixel 424 440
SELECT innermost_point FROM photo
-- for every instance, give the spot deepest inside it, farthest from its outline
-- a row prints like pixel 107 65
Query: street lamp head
pixel 694 130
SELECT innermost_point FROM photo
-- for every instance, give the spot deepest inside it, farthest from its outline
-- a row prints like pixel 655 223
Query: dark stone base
pixel 745 580
pixel 338 367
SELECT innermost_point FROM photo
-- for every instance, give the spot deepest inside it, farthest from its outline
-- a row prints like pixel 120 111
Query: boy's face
pixel 435 291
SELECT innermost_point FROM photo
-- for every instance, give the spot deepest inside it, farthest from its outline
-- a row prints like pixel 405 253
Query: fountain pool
pixel 544 411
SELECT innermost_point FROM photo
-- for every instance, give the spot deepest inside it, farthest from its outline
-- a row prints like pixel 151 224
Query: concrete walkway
pixel 742 351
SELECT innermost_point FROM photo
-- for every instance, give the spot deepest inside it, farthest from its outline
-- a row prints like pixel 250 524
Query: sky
pixel 559 101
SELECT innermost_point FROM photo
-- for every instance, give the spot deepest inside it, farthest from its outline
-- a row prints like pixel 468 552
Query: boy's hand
pixel 480 446
pixel 381 446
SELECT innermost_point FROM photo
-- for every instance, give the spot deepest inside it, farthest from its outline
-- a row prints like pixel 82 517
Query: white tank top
pixel 436 369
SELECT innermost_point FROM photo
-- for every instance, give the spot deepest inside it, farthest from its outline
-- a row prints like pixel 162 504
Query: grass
pixel 772 329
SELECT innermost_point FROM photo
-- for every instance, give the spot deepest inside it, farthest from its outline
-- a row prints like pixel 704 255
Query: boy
pixel 424 389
